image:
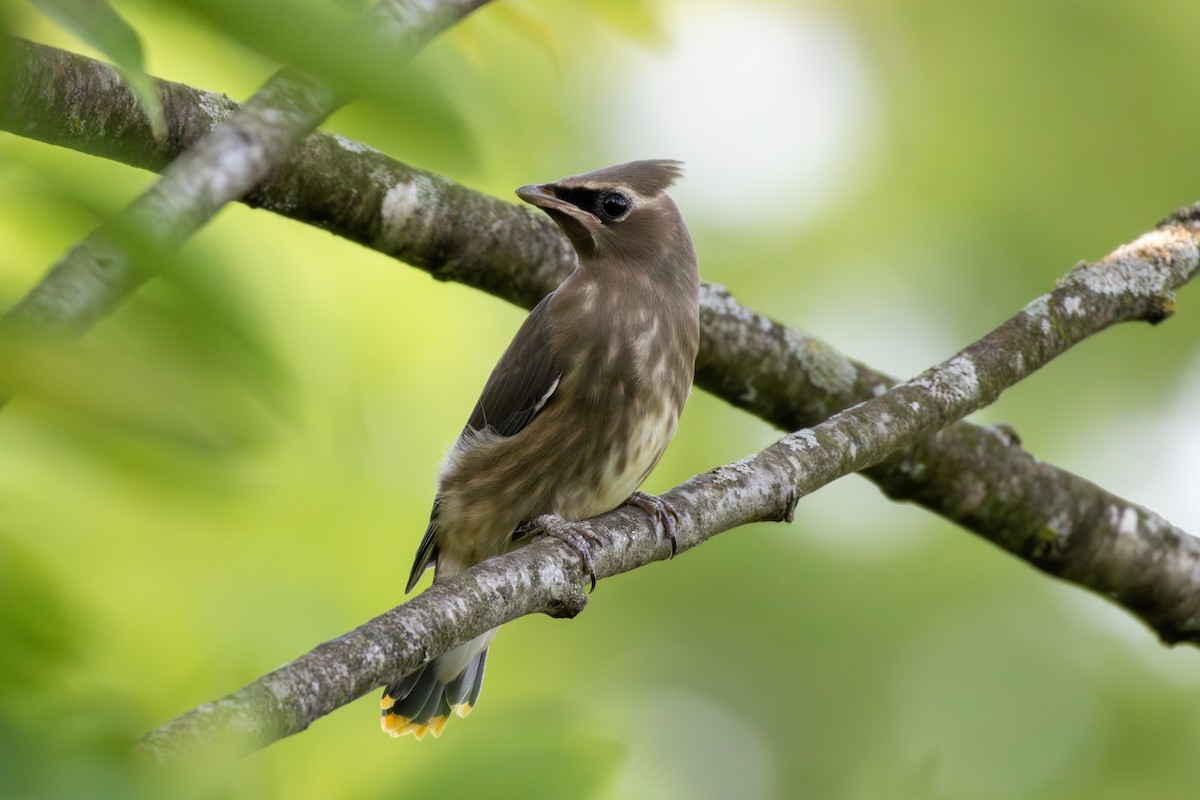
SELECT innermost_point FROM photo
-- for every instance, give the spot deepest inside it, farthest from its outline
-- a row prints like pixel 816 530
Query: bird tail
pixel 421 702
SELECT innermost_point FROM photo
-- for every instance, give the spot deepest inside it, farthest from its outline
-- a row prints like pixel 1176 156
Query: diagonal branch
pixel 217 168
pixel 1133 283
pixel 975 476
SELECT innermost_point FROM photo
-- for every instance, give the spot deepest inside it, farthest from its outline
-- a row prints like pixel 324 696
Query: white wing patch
pixel 546 397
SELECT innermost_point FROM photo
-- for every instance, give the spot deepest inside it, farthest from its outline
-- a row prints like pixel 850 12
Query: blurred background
pixel 239 463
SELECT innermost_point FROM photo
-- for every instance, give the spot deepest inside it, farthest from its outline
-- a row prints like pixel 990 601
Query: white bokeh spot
pixel 773 110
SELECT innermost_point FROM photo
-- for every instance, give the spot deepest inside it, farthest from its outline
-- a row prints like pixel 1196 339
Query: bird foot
pixel 659 510
pixel 574 534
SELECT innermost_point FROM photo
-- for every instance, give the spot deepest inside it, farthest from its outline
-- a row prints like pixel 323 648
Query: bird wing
pixel 523 381
pixel 426 551
pixel 520 386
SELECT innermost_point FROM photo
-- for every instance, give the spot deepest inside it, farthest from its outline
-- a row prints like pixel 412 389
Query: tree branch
pixel 1133 283
pixel 222 165
pixel 977 477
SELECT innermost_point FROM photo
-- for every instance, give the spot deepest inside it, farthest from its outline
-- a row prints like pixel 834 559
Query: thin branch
pixel 977 477
pixel 1133 283
pixel 220 167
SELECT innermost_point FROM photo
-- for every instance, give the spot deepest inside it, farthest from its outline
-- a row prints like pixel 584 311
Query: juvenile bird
pixel 575 414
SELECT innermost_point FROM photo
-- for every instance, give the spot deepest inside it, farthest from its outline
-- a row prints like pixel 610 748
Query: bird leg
pixel 660 511
pixel 574 534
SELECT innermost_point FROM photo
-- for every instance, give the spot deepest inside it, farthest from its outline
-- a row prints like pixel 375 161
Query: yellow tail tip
pixel 396 726
pixel 462 709
pixel 387 702
pixel 392 723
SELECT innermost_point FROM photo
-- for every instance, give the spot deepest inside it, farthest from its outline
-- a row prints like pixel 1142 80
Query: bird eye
pixel 613 205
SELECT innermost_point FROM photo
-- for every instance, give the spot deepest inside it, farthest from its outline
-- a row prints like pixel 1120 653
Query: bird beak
pixel 543 197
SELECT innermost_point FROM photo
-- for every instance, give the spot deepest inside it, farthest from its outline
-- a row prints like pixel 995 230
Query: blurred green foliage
pixel 238 464
pixel 98 23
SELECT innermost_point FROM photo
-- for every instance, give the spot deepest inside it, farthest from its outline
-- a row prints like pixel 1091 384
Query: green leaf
pixel 327 42
pixel 532 27
pixel 98 23
pixel 37 631
pixel 147 94
pixel 640 20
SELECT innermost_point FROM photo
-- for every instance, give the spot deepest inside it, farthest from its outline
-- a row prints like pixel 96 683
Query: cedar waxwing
pixel 576 413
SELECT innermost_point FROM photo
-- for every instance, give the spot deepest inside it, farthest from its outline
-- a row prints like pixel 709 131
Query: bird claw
pixel 581 538
pixel 661 511
pixel 574 535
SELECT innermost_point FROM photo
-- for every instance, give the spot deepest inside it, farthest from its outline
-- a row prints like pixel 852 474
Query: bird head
pixel 621 212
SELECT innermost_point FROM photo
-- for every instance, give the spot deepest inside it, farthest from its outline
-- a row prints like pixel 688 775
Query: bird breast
pixel 636 382
pixel 622 466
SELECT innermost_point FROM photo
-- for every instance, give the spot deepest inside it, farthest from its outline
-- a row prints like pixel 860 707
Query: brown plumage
pixel 578 410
